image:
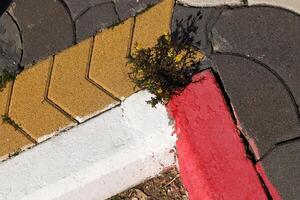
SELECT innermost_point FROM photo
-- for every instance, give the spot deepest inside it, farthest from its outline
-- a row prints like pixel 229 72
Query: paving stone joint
pixel 253 49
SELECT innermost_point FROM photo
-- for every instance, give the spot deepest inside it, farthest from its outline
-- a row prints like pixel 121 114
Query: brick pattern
pixel 36 29
pixel 29 106
pixel 117 42
pixel 255 53
pixel 73 86
pixel 11 139
pixel 146 30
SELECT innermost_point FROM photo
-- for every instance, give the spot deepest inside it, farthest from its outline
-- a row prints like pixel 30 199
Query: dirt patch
pixel 166 186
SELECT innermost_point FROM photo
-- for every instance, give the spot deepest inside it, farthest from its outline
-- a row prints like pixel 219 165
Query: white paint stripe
pixel 94 160
pixel 293 5
pixel 210 3
pixel 85 118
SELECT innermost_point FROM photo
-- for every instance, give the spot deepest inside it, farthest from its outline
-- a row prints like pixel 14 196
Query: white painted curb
pixel 95 160
pixel 210 3
pixel 293 5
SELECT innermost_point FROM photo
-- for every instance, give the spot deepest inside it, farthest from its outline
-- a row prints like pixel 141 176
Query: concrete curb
pixel 76 84
pixel 210 3
pixel 211 155
pixel 94 160
pixel 292 5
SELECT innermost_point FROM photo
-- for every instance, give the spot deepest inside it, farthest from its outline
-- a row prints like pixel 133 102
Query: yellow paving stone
pixel 199 55
pixel 69 87
pixel 109 60
pixel 4 98
pixel 153 23
pixel 11 140
pixel 29 108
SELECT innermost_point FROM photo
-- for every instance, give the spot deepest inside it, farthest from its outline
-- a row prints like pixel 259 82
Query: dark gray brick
pixel 184 17
pixel 270 35
pixel 77 7
pixel 130 8
pixel 266 114
pixel 3 6
pixel 10 45
pixel 95 19
pixel 45 25
pixel 282 168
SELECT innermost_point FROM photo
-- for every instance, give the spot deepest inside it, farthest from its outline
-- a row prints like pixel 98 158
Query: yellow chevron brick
pixel 11 140
pixel 4 95
pixel 29 107
pixel 69 87
pixel 109 60
pixel 150 25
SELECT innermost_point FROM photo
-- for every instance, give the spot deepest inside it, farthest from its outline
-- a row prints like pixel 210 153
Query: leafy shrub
pixel 165 69
pixel 168 67
pixel 5 77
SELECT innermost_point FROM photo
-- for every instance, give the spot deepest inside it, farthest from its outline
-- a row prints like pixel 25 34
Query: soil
pixel 166 186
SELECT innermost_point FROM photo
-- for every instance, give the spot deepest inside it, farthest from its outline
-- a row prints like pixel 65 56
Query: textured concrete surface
pixel 253 50
pixel 29 107
pixel 186 19
pixel 4 5
pixel 152 24
pixel 255 53
pixel 211 155
pixel 78 7
pixel 209 3
pixel 10 45
pixel 282 168
pixel 76 84
pixel 95 160
pixel 45 25
pixel 293 5
pixel 95 19
pixel 130 8
pixel 78 97
pixel 117 42
pixel 11 140
pixel 264 109
pixel 268 35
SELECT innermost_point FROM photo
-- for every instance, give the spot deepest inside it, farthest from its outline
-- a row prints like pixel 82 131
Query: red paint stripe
pixel 211 155
pixel 273 191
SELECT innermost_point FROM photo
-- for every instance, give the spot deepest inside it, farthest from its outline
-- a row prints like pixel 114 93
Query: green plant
pixel 165 69
pixel 5 77
pixel 6 119
pixel 168 67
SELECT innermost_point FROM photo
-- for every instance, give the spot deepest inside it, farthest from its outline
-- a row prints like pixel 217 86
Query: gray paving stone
pixel 293 5
pixel 95 19
pixel 264 109
pixel 184 17
pixel 77 7
pixel 4 5
pixel 282 168
pixel 208 3
pixel 270 35
pixel 130 8
pixel 10 45
pixel 45 25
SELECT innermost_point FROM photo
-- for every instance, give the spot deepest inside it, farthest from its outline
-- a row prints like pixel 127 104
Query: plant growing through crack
pixel 168 67
pixel 5 77
pixel 6 119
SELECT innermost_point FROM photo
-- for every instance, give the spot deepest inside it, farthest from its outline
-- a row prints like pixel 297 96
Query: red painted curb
pixel 273 191
pixel 211 155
